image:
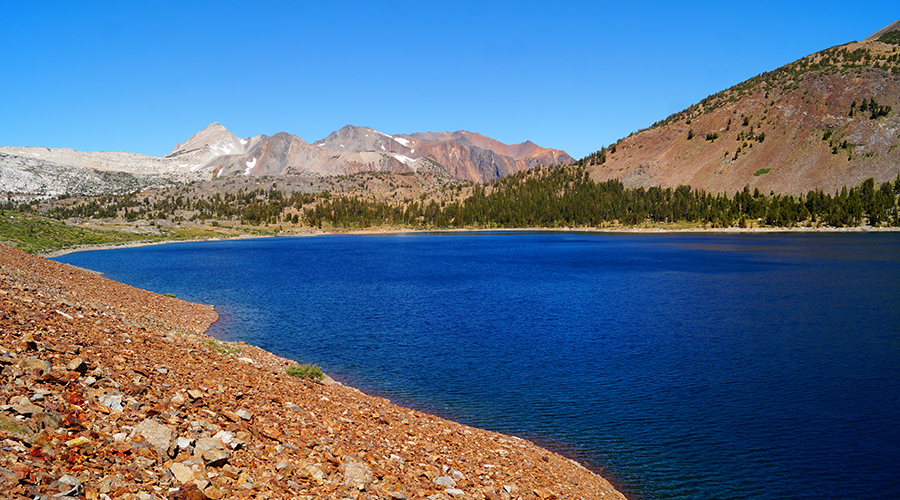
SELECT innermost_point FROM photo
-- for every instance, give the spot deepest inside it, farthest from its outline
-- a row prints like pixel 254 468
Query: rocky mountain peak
pixel 216 138
pixel 353 138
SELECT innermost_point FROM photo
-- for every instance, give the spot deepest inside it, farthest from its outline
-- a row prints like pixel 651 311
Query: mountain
pixel 215 152
pixel 828 120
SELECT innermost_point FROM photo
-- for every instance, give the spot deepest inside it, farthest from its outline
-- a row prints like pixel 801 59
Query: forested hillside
pixel 825 121
pixel 546 197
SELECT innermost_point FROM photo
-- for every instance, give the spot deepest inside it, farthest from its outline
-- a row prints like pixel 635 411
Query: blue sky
pixel 144 76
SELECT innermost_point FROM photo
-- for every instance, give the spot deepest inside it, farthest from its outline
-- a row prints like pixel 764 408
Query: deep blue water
pixel 679 366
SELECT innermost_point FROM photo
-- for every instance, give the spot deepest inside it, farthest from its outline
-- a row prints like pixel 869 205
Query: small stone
pixel 230 471
pixel 78 442
pixel 453 492
pixel 229 439
pixel 182 473
pixel 29 341
pixel 212 450
pixel 70 486
pixel 244 415
pixel 445 481
pixel 111 400
pixel 544 494
pixel 189 491
pixel 47 420
pixel 77 365
pixel 194 394
pixel 183 443
pixel 214 493
pixel 312 473
pixel 7 358
pixel 178 400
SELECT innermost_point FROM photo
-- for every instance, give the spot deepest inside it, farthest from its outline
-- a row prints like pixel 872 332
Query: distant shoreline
pixel 619 230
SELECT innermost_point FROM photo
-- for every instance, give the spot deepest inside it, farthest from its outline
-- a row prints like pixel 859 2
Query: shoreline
pixel 404 231
pixel 143 372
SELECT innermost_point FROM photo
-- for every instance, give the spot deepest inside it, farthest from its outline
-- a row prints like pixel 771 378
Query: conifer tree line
pixel 547 197
pixel 568 197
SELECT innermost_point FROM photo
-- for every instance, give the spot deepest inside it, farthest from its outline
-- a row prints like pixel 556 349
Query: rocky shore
pixel 107 391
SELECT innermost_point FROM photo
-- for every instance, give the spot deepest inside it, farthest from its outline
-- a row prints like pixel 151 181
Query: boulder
pixel 358 476
pixel 158 435
pixel 212 450
pixel 29 364
pixel 22 406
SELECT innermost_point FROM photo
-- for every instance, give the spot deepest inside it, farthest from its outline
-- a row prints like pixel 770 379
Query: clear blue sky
pixel 144 76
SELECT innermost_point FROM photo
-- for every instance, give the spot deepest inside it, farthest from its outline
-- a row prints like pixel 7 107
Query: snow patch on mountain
pixel 405 159
pixel 250 165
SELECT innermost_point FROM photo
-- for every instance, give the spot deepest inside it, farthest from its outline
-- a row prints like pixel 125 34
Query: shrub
pixel 305 371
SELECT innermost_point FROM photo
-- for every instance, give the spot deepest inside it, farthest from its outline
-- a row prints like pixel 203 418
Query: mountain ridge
pixel 215 152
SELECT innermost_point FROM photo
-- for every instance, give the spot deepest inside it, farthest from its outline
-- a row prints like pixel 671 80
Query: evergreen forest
pixel 545 197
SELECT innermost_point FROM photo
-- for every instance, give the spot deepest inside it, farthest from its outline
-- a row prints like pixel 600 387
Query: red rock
pixel 189 491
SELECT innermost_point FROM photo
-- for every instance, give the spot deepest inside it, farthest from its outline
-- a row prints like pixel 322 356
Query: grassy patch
pixel 305 371
pixel 762 171
pixel 40 235
pixel 222 347
pixel 11 426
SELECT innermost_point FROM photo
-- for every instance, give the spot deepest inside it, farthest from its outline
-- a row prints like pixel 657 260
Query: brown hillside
pixel 788 131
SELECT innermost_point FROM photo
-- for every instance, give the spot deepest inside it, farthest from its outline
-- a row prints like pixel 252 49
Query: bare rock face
pixel 23 171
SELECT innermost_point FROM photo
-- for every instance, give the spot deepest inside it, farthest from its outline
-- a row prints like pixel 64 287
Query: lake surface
pixel 677 365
